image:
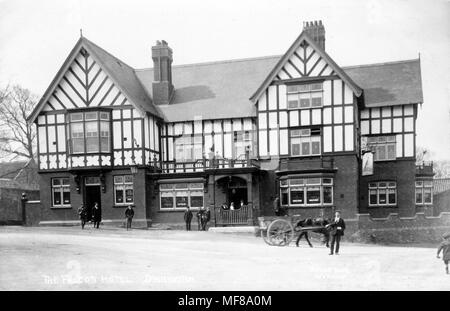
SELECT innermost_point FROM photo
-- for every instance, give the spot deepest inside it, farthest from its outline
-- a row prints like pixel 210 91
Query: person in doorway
pixel 336 227
pixel 232 206
pixel 225 207
pixel 82 213
pixel 241 204
pixel 188 218
pixel 96 215
pixel 129 214
pixel 445 248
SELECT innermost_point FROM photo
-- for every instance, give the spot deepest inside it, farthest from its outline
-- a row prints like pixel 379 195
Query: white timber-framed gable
pixel 307 105
pixel 85 104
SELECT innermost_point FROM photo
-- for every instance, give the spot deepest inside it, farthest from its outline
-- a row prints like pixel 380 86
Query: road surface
pixel 114 259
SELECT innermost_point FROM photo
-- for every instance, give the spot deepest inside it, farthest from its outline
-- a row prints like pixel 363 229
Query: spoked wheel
pixel 280 232
pixel 265 236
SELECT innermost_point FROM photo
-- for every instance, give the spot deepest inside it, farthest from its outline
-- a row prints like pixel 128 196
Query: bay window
pixel 90 132
pixel 383 193
pixel 306 192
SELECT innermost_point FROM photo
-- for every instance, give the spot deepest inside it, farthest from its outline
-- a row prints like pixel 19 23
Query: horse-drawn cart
pixel 280 231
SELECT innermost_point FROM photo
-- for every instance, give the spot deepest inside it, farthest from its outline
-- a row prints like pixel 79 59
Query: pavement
pixel 68 258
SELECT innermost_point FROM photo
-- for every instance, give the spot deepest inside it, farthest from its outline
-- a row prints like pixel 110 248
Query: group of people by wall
pixel 203 217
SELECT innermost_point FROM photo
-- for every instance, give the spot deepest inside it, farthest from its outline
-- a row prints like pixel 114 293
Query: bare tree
pixel 17 137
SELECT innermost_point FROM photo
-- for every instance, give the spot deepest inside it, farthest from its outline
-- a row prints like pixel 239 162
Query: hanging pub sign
pixel 367 163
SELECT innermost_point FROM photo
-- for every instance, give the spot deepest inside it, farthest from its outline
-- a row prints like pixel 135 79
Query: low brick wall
pixel 11 204
pixel 394 229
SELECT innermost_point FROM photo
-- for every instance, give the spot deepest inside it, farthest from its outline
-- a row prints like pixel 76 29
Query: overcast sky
pixel 36 37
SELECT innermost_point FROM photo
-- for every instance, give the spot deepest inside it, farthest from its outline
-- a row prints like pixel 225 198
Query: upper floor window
pixel 188 148
pixel 90 131
pixel 382 193
pixel 424 192
pixel 305 142
pixel 242 143
pixel 384 147
pixel 304 96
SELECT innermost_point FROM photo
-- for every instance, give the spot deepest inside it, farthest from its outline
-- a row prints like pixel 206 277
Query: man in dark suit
pixel 96 215
pixel 188 218
pixel 336 227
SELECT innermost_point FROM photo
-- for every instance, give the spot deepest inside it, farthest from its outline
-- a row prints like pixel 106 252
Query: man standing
pixel 129 214
pixel 200 213
pixel 445 248
pixel 96 215
pixel 206 218
pixel 188 218
pixel 83 215
pixel 337 227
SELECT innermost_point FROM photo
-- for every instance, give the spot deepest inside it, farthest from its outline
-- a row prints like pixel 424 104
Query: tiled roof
pixel 222 89
pixel 387 84
pixel 213 90
pixel 125 77
pixel 441 185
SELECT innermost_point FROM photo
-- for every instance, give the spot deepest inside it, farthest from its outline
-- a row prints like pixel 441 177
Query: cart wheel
pixel 280 232
pixel 263 233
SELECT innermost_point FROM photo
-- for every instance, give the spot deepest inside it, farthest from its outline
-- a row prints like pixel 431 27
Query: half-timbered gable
pixel 91 116
pixel 307 105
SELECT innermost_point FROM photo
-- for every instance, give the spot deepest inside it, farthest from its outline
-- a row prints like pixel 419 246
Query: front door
pixel 92 194
pixel 235 195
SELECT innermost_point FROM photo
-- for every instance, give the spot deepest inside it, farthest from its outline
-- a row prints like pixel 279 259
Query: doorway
pixel 92 194
pixel 235 195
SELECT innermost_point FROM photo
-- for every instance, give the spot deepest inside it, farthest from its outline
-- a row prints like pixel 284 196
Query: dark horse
pixel 313 222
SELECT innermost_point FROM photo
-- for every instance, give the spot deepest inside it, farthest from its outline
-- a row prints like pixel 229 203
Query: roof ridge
pixel 109 54
pixel 382 63
pixel 217 62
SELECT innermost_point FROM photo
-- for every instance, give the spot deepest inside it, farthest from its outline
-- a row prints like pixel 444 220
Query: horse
pixel 313 222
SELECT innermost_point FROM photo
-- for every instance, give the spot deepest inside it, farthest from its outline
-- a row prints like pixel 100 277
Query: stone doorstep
pixel 251 230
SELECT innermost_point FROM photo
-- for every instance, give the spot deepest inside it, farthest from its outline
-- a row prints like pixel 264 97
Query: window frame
pixel 313 134
pixel 375 145
pixel 422 186
pixel 170 190
pixel 307 90
pixel 305 183
pixel 102 118
pixel 61 188
pixel 377 186
pixel 123 186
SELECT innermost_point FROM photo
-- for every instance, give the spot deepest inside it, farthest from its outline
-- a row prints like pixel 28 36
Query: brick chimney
pixel 316 31
pixel 162 73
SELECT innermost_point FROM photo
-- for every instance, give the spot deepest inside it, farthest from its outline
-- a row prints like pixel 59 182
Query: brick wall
pixel 401 171
pixel 396 229
pixel 11 204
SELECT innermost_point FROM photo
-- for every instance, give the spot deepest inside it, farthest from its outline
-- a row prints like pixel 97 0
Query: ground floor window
pixel 424 192
pixel 306 191
pixel 60 192
pixel 181 195
pixel 123 189
pixel 382 193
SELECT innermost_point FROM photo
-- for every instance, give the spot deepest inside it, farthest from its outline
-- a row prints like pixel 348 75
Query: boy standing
pixel 445 248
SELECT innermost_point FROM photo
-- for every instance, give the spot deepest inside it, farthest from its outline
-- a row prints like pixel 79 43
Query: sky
pixel 36 37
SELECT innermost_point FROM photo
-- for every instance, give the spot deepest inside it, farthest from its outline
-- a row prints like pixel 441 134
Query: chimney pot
pixel 316 31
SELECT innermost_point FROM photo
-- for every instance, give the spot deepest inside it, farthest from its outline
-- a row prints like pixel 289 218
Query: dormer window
pixel 90 132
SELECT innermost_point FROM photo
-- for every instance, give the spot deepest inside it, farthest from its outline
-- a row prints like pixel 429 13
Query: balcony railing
pixel 204 164
pixel 302 164
pixel 425 168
